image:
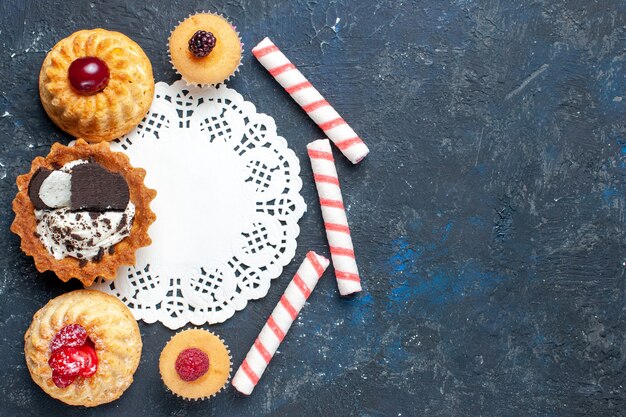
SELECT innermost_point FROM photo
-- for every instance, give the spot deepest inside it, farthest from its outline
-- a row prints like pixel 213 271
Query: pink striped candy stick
pixel 334 214
pixel 311 101
pixel 280 321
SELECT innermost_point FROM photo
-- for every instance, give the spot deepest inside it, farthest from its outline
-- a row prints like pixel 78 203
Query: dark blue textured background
pixel 489 218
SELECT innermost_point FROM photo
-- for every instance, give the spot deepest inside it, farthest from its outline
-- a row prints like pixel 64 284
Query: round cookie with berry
pixel 83 348
pixel 195 364
pixel 205 49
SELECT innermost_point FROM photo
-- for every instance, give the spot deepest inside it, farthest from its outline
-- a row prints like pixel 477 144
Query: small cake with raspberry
pixel 195 364
pixel 205 49
pixel 96 84
pixel 83 348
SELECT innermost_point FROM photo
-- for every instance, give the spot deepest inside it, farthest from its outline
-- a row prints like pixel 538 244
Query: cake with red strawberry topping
pixel 83 348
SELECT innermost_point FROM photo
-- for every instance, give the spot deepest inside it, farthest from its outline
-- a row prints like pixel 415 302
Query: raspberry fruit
pixel 62 381
pixel 202 43
pixel 91 366
pixel 69 361
pixel 72 335
pixel 191 364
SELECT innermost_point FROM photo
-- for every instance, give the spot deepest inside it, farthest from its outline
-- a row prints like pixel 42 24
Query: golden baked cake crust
pixel 25 222
pixel 209 384
pixel 110 113
pixel 220 64
pixel 112 329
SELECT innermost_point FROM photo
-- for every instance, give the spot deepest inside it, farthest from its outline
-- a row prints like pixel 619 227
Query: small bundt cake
pixel 83 348
pixel 96 84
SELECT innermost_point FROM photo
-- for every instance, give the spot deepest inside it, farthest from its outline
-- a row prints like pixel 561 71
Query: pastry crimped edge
pixel 25 223
pixel 73 126
pixel 110 326
pixel 169 53
pixel 230 369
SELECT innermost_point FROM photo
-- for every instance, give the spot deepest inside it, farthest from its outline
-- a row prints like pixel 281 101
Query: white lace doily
pixel 227 207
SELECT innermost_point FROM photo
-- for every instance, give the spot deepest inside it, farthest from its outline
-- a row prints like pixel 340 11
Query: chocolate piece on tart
pixel 94 188
pixel 35 185
pixel 87 186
